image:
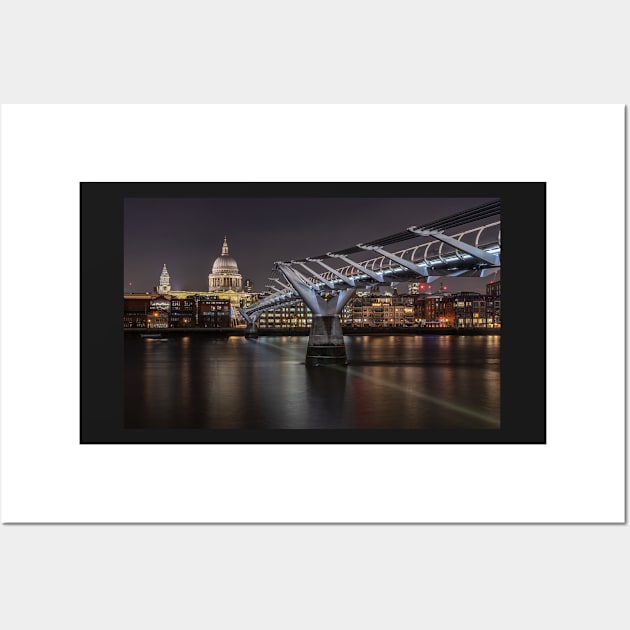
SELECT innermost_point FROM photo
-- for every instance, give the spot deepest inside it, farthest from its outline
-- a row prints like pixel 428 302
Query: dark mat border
pixel 523 305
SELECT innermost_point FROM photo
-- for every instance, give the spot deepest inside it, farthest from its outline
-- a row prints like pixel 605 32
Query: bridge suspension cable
pixel 478 213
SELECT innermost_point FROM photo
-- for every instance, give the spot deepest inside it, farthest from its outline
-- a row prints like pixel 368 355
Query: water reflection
pixel 402 382
pixel 330 410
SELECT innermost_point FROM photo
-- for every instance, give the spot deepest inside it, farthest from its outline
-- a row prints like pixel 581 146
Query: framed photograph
pixel 312 312
pixel 494 396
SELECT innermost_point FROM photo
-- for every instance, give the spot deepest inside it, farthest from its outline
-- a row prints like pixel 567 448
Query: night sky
pixel 187 234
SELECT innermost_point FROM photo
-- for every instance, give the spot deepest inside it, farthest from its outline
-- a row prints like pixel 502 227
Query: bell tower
pixel 165 282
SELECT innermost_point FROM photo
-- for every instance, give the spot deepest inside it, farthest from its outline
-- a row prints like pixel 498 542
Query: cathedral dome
pixel 225 275
pixel 225 264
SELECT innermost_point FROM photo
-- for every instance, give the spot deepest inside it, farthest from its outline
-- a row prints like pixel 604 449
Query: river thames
pixel 390 382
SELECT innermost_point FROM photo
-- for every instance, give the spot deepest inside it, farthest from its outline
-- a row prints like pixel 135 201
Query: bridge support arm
pixel 304 290
pixel 321 306
pixel 345 279
pixel 343 297
pixel 328 283
pixel 421 270
pixel 284 286
pixel 475 252
pixel 368 272
pixel 306 281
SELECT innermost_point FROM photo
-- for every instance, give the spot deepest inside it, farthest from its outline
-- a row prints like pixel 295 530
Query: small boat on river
pixel 153 337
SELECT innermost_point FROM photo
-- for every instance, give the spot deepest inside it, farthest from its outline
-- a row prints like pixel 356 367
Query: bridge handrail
pixel 371 263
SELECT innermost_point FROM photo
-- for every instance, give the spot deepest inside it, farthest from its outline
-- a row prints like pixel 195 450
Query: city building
pixel 466 309
pixel 136 309
pixel 436 311
pixel 292 315
pixel 213 312
pixel 493 291
pixel 494 288
pixel 183 312
pixel 475 310
pixel 159 312
pixel 380 311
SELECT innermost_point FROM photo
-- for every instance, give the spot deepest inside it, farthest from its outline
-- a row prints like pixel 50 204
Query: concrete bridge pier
pixel 251 332
pixel 325 342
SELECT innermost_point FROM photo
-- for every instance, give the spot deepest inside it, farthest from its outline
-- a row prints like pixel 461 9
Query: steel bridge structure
pixel 464 244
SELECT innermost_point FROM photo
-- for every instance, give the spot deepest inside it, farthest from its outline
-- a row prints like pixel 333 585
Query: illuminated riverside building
pixel 183 312
pixel 146 310
pixel 214 314
pixel 200 311
pixel 465 309
pixel 181 309
pixel 493 291
pixel 440 310
pixel 380 311
pixel 159 311
pixel 436 311
pixel 136 309
pixel 474 310
pixel 165 311
pixel 294 315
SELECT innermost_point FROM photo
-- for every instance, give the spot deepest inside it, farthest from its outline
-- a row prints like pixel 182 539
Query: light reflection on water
pixel 392 382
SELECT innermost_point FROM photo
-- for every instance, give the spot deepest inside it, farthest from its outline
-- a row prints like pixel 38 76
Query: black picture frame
pixel 523 333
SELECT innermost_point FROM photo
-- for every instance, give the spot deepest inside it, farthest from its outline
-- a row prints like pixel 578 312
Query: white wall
pixel 282 576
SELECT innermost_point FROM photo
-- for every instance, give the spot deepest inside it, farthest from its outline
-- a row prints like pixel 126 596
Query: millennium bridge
pixel 464 244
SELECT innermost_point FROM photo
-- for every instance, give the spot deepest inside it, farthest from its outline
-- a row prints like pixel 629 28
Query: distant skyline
pixel 186 234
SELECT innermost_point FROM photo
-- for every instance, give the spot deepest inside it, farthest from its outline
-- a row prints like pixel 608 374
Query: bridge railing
pixel 381 263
